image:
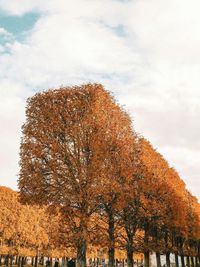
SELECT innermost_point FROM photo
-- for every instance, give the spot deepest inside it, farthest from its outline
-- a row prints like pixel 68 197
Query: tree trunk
pixel 129 251
pixel 188 261
pixel 196 261
pixel 81 253
pixel 32 261
pixel 6 260
pixel 158 261
pixel 182 261
pixel 36 261
pixel 168 259
pixel 111 233
pixel 146 259
pixel 11 260
pixel 0 260
pixel 19 261
pixel 192 261
pixel 42 260
pixel 176 260
pixel 22 262
pixel 66 261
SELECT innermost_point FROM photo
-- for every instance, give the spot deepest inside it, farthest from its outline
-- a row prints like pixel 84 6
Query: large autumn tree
pixel 66 136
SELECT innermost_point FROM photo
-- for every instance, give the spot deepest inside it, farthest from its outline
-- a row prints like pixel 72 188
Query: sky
pixel 147 52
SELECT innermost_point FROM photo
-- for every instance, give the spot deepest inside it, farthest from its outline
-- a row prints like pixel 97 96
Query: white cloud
pixel 153 67
pixel 3 31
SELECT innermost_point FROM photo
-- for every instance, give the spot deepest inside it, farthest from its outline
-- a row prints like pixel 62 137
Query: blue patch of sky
pixel 17 26
pixel 120 30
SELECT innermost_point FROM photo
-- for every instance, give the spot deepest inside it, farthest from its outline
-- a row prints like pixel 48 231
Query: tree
pixel 65 140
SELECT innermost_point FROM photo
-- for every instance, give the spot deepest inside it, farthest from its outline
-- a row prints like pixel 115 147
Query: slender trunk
pixel 6 260
pixel 111 257
pixel 192 261
pixel 32 261
pixel 168 259
pixel 158 261
pixel 81 253
pixel 36 261
pixel 19 261
pixel 182 261
pixel 16 260
pixel 146 244
pixel 66 261
pixel 22 262
pixel 176 260
pixel 11 260
pixel 111 233
pixel 129 251
pixel 146 259
pixel 42 260
pixel 196 261
pixel 188 261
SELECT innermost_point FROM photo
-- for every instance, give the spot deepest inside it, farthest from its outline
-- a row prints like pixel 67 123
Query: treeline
pixel 82 160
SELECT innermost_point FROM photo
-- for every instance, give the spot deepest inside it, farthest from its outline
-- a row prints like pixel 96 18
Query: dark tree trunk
pixel 176 260
pixel 66 261
pixel 129 251
pixel 81 253
pixel 36 261
pixel 192 261
pixel 188 261
pixel 32 261
pixel 182 261
pixel 11 260
pixel 42 260
pixel 196 261
pixel 111 233
pixel 19 261
pixel 158 261
pixel 146 259
pixel 111 257
pixel 168 259
pixel 6 260
pixel 22 262
pixel 0 260
pixel 146 243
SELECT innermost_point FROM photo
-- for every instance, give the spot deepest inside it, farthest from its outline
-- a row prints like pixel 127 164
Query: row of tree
pixel 81 159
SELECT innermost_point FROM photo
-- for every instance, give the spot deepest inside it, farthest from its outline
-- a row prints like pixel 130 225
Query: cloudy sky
pixel 147 52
